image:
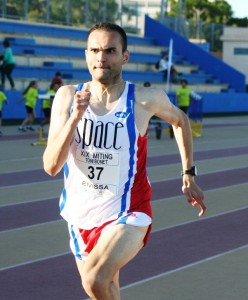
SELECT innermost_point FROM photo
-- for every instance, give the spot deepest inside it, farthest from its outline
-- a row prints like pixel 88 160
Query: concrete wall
pixel 235 48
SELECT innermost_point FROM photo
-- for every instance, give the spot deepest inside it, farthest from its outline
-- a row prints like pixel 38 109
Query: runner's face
pixel 104 56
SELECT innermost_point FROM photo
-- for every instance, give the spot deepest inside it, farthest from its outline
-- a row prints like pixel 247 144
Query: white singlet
pixel 105 174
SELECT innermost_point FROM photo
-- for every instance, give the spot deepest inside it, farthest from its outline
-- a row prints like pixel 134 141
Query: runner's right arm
pixel 62 126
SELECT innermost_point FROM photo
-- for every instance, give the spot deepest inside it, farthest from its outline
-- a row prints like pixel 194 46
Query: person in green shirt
pixel 47 103
pixel 183 96
pixel 3 99
pixel 30 95
pixel 183 100
pixel 8 64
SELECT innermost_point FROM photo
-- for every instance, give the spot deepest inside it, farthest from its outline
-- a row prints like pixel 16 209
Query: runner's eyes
pixel 107 51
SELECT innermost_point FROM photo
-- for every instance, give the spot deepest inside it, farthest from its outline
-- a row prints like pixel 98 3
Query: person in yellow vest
pixel 30 95
pixel 183 96
pixel 47 103
pixel 3 99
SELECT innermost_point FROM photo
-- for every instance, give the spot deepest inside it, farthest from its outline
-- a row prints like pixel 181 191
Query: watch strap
pixel 191 171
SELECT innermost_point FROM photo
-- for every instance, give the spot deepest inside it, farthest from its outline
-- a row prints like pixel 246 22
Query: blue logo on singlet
pixel 121 114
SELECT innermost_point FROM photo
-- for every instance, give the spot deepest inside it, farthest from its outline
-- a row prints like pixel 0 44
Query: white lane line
pixel 31 201
pixel 210 172
pixel 160 229
pixel 202 219
pixel 29 184
pixel 205 190
pixel 31 226
pixel 184 267
pixel 58 195
pixel 21 159
pixel 153 231
pixel 34 261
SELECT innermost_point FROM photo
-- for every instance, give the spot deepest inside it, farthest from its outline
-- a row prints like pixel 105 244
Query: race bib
pixel 101 171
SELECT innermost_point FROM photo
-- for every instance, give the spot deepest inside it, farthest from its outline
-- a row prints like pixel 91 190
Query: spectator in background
pixel 3 99
pixel 30 95
pixel 47 103
pixel 58 79
pixel 8 64
pixel 147 84
pixel 183 96
pixel 163 66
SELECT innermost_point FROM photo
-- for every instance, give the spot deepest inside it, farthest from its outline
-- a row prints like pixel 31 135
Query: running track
pixel 170 248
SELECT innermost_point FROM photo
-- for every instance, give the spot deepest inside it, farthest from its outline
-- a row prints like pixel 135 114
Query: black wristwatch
pixel 192 171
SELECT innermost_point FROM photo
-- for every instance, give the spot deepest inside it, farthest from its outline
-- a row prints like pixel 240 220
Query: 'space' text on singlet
pixel 105 173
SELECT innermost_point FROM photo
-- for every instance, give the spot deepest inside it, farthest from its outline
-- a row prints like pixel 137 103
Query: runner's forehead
pixel 104 39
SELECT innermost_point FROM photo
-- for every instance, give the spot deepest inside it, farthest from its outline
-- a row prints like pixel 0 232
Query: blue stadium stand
pixel 22 47
pixel 209 70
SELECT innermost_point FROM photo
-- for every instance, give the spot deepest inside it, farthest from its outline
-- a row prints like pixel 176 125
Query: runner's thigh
pixel 116 246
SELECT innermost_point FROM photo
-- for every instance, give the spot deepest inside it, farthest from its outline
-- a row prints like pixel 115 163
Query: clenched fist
pixel 81 102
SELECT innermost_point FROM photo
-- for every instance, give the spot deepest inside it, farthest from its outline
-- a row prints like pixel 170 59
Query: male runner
pixel 98 134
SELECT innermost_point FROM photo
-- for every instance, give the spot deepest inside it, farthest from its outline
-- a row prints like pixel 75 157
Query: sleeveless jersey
pixel 105 174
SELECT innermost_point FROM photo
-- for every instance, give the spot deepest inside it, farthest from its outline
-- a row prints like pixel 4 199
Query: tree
pixel 238 22
pixel 217 11
pixel 69 12
pixel 205 19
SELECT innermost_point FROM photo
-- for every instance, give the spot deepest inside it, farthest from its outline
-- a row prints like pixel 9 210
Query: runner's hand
pixel 81 101
pixel 193 193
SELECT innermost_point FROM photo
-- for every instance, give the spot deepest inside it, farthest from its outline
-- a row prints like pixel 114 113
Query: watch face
pixel 192 171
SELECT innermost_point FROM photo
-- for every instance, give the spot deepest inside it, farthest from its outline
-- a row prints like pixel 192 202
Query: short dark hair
pixel 6 43
pixel 147 84
pixel 111 27
pixel 184 81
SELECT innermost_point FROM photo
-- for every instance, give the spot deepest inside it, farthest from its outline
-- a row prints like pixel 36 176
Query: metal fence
pixel 69 12
pixel 200 31
pixel 127 13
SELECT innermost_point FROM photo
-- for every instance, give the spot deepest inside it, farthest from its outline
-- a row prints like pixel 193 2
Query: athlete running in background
pixel 30 96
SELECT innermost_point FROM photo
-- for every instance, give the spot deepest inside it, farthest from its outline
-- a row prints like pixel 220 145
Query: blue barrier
pixel 215 103
pixel 211 103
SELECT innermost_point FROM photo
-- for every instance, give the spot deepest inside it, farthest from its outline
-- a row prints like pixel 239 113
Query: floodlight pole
pixel 104 10
pixel 120 11
pixel 4 10
pixel 162 7
pixel 47 11
pixel 25 9
pixel 86 13
pixel 68 12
